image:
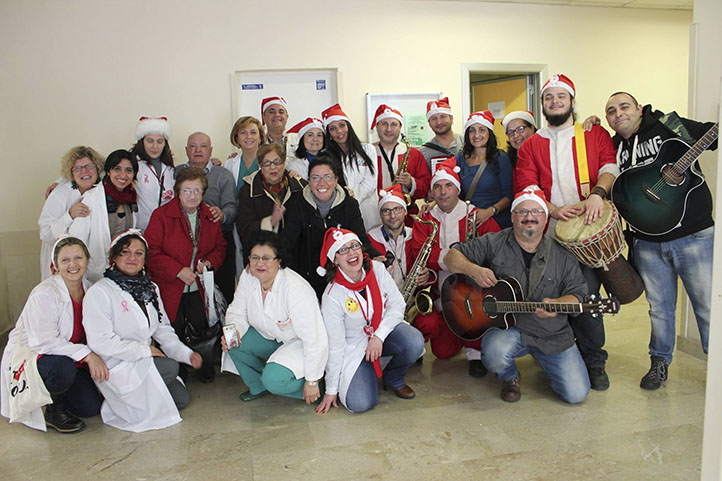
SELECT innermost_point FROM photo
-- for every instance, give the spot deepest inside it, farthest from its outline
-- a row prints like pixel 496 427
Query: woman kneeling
pixel 283 344
pixel 363 311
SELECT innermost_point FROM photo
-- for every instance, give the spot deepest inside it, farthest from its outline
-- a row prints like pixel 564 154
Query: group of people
pixel 311 237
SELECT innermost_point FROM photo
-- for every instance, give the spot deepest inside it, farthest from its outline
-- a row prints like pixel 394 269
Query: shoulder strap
pixel 582 167
pixel 673 123
pixel 438 148
pixel 475 180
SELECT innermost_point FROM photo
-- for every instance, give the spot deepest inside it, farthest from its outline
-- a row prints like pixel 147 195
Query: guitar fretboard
pixel 696 150
pixel 559 307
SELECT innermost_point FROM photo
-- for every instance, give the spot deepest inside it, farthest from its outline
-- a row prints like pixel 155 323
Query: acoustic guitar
pixel 470 310
pixel 652 197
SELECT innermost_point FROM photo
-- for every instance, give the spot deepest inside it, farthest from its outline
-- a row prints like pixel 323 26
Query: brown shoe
pixel 404 392
pixel 510 391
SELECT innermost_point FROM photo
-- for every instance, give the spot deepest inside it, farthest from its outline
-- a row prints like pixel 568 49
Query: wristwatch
pixel 494 209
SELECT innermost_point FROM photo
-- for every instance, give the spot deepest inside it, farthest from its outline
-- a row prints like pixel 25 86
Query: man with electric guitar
pixel 546 272
pixel 663 195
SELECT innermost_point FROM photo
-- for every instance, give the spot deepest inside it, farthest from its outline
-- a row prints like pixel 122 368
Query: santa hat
pixel 535 195
pixel 447 170
pixel 268 101
pixel 440 106
pixel 525 115
pixel 559 80
pixel 152 125
pixel 392 194
pixel 334 239
pixel 305 125
pixel 484 118
pixel 387 112
pixel 133 231
pixel 332 114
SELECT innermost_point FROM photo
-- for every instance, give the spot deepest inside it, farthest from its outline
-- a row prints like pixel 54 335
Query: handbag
pixel 27 391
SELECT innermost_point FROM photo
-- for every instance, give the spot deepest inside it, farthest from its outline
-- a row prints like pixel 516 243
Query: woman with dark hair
pixel 122 313
pixel 51 325
pixel 364 315
pixel 113 208
pixel 486 174
pixel 357 162
pixel 80 168
pixel 312 140
pixel 156 174
pixel 283 344
pixel 324 204
pixel 263 199
pixel 183 240
pixel 519 126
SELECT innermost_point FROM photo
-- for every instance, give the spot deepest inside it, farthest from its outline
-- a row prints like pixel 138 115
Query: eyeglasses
pixel 394 210
pixel 256 259
pixel 317 178
pixel 80 168
pixel 353 247
pixel 524 212
pixel 517 131
pixel 189 191
pixel 277 162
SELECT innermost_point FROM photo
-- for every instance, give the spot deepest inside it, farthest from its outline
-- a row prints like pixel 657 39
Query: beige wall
pixel 82 72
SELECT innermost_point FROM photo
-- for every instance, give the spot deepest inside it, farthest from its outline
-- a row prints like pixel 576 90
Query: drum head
pixel 575 230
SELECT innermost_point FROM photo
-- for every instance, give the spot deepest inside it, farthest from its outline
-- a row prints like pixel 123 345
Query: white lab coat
pixel 153 190
pixel 136 398
pixel 54 220
pixel 290 315
pixel 363 183
pixel 46 323
pixel 94 230
pixel 343 313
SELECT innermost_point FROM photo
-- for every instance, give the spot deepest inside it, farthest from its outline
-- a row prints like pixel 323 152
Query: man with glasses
pixel 454 220
pixel 548 273
pixel 574 185
pixel 221 197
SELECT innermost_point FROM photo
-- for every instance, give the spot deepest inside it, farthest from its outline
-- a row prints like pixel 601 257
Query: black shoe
pixel 598 378
pixel 206 374
pixel 61 420
pixel 477 368
pixel 656 376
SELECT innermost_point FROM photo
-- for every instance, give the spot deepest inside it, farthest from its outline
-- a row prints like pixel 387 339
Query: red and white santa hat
pixel 392 194
pixel 447 170
pixel 132 231
pixel 440 106
pixel 332 114
pixel 305 125
pixel 334 239
pixel 559 80
pixel 529 194
pixel 268 101
pixel 152 125
pixel 484 118
pixel 525 115
pixel 387 112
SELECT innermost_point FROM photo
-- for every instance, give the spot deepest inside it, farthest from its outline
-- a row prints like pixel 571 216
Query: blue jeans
pixel 405 344
pixel 565 370
pixel 659 264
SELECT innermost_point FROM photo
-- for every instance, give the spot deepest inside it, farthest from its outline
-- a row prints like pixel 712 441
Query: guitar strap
pixel 674 124
pixel 582 166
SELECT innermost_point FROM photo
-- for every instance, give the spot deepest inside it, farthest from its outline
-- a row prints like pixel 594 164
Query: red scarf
pixel 126 196
pixel 370 282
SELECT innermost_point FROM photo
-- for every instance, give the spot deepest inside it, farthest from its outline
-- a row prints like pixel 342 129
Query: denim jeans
pixel 659 264
pixel 405 344
pixel 566 369
pixel 589 330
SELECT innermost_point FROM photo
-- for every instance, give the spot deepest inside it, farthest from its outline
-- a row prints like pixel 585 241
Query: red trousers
pixel 444 343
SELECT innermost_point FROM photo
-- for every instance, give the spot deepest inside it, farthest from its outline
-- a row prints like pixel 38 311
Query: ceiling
pixel 654 4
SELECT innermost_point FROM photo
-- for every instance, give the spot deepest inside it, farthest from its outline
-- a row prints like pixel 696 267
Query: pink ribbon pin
pixel 124 305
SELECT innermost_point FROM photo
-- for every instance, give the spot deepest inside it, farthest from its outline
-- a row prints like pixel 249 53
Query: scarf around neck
pixel 139 287
pixel 127 196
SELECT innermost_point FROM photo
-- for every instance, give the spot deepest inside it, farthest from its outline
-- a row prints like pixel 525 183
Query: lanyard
pixel 389 163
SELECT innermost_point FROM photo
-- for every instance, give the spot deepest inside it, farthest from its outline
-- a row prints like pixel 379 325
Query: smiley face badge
pixel 351 305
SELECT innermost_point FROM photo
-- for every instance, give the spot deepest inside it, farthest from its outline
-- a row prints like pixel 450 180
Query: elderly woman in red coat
pixel 183 238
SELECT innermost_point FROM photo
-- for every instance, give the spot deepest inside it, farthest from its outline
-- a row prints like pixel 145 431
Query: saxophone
pixel 470 222
pixel 422 302
pixel 403 166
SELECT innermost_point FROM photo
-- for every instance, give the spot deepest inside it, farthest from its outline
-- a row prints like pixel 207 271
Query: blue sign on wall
pixel 251 86
pixel 320 85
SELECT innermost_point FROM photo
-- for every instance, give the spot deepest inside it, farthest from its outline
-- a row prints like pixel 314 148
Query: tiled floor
pixel 457 428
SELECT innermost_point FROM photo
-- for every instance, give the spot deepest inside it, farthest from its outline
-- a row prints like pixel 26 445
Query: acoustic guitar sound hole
pixel 671 177
pixel 489 306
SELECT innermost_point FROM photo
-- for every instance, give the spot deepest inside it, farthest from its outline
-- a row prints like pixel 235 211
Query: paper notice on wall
pixel 416 129
pixel 497 109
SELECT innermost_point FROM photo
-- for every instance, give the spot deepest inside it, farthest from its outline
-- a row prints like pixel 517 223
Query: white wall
pixel 82 72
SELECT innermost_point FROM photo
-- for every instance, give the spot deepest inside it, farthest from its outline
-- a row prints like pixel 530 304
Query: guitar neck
pixel 696 150
pixel 524 306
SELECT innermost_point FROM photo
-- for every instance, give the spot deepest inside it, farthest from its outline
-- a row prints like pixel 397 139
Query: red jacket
pixel 533 165
pixel 416 167
pixel 170 249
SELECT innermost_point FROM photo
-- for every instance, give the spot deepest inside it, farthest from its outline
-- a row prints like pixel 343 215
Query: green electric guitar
pixel 652 197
